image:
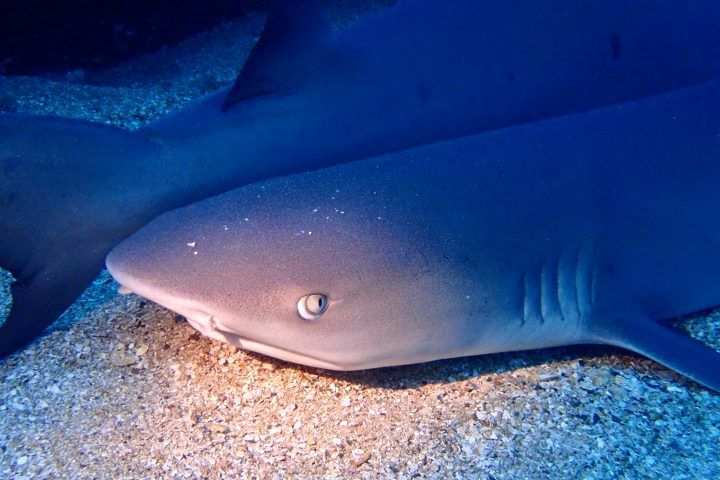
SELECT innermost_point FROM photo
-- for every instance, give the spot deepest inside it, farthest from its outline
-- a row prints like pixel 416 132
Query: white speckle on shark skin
pixel 315 210
pixel 191 244
pixel 225 227
pixel 247 219
pixel 195 252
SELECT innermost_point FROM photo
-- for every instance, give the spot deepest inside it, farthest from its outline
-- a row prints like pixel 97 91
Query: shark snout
pixel 132 279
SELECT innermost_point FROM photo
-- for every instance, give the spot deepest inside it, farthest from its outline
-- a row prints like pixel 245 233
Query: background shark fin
pixel 292 43
pixel 668 346
pixel 67 195
pixel 42 294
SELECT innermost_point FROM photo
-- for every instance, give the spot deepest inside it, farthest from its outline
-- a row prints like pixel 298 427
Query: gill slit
pixel 562 288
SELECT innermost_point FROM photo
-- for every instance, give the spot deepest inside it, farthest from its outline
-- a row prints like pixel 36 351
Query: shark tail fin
pixel 668 346
pixel 62 207
pixel 293 42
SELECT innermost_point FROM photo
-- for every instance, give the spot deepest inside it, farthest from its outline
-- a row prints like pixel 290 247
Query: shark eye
pixel 310 307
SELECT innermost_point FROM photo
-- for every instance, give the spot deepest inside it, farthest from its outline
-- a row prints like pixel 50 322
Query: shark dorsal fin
pixel 293 40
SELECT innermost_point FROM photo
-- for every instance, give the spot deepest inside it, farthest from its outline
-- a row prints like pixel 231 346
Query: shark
pixel 592 228
pixel 310 97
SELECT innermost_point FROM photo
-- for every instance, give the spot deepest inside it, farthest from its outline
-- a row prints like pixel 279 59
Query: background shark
pixel 590 228
pixel 308 98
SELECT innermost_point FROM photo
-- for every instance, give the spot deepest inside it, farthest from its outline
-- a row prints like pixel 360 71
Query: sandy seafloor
pixel 122 388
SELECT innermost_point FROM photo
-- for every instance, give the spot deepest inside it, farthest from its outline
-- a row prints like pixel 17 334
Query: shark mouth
pixel 211 326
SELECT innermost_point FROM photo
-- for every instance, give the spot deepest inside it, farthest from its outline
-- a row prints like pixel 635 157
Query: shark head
pixel 311 268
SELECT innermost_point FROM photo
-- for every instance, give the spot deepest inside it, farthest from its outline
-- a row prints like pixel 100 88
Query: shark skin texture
pixel 596 227
pixel 309 97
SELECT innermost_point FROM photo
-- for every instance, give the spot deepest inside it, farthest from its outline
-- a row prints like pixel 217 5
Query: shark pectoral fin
pixel 668 346
pixel 38 298
pixel 69 191
pixel 293 41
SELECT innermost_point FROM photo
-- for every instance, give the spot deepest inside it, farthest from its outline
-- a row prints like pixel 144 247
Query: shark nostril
pixel 123 290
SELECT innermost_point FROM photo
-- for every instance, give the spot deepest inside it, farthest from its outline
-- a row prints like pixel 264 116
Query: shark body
pixel 590 228
pixel 308 97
